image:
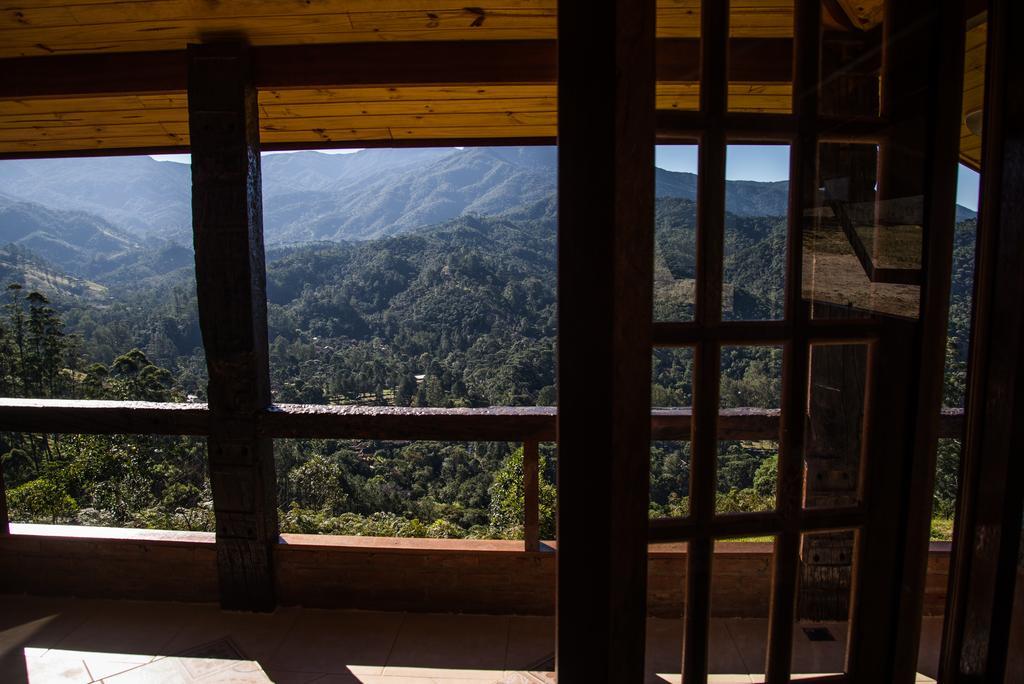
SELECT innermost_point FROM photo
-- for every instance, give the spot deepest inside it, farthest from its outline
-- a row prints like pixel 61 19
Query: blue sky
pixel 743 162
pixel 771 163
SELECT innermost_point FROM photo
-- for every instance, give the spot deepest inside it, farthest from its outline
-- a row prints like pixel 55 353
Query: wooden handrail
pixel 530 425
pixel 497 423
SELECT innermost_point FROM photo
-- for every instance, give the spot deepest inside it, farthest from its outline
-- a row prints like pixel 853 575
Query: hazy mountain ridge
pixel 128 219
pixel 315 196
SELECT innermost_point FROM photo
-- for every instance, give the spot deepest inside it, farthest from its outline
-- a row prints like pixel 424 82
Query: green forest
pixel 461 314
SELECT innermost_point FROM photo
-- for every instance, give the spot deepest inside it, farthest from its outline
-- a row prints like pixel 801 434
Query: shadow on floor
pixel 120 642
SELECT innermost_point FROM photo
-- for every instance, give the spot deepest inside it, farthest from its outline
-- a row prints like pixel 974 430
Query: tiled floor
pixel 122 642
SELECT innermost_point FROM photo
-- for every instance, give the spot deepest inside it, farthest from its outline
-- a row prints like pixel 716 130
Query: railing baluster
pixel 5 526
pixel 531 496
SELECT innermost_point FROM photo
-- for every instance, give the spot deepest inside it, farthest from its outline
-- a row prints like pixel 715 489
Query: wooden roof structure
pixel 108 76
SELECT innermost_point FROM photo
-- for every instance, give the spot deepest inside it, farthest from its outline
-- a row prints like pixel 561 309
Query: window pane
pixel 835 425
pixel 741 590
pixel 671 400
pixel 757 206
pixel 675 232
pixel 760 80
pixel 751 386
pixel 823 604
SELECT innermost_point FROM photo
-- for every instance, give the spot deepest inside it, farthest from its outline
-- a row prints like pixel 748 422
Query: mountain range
pixel 94 217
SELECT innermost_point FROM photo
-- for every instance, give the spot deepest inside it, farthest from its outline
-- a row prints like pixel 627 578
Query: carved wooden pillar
pixel 231 287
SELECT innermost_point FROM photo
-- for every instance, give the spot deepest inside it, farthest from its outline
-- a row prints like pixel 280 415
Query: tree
pixel 508 496
pixel 41 500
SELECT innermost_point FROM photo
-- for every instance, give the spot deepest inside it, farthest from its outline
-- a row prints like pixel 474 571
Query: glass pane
pixel 671 400
pixel 678 86
pixel 823 603
pixel 675 232
pixel 751 387
pixel 760 66
pixel 862 252
pixel 757 206
pixel 136 481
pixel 850 64
pixel 97 278
pixel 741 589
pixel 835 425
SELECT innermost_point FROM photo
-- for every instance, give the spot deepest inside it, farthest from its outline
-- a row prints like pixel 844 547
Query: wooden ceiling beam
pixel 755 60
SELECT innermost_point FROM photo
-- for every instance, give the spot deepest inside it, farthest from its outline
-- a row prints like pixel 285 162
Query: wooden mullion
pixel 789 488
pixel 5 523
pixel 606 100
pixel 945 46
pixel 986 553
pixel 531 496
pixel 231 294
pixel 707 353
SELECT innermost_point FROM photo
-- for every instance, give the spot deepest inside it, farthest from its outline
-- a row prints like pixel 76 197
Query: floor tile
pixel 258 636
pixel 142 628
pixel 819 657
pixel 337 642
pixel 188 670
pixel 452 646
pixel 664 648
pixel 724 657
pixel 56 670
pixel 928 653
pixel 101 665
pixel 287 677
pixel 531 643
pixel 37 623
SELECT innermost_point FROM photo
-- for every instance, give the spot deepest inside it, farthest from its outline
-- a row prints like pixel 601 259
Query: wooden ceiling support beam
pixel 227 219
pixel 606 135
pixel 754 60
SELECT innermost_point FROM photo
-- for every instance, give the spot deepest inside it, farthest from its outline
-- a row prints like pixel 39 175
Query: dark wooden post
pixel 531 496
pixel 605 276
pixel 5 524
pixel 230 275
pixel 988 525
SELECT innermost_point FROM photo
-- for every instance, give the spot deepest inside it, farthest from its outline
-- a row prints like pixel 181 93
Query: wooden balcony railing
pixel 528 425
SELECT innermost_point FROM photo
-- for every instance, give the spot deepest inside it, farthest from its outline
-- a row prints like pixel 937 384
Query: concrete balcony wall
pixel 427 575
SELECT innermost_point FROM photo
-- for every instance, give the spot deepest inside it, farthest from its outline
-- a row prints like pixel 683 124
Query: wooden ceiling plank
pixel 481 119
pixel 89 143
pixel 76 105
pixel 60 13
pixel 469 19
pixel 452 93
pixel 407 108
pixel 92 118
pixel 155 130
